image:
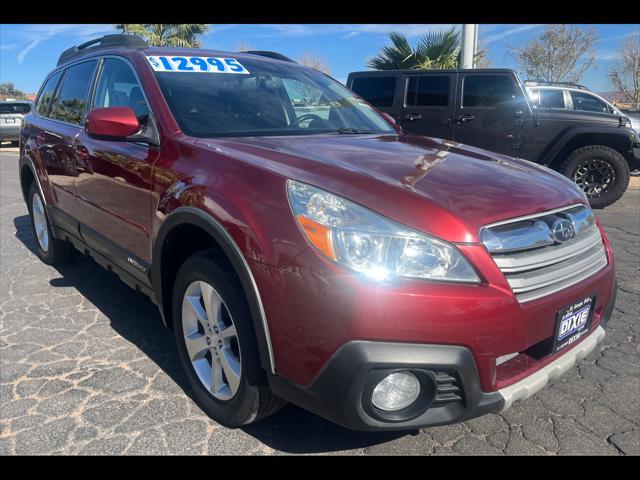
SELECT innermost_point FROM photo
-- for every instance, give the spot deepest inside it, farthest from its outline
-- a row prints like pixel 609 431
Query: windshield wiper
pixel 346 130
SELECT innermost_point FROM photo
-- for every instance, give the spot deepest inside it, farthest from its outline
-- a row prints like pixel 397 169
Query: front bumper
pixel 340 392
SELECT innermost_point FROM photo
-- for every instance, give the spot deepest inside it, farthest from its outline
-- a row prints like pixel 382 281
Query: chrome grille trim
pixel 532 216
pixel 544 270
pixel 542 257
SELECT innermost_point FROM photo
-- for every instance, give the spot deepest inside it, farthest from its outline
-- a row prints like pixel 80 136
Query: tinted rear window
pixel 487 90
pixel 551 98
pixel 70 103
pixel 428 91
pixel 378 91
pixel 46 95
pixel 15 108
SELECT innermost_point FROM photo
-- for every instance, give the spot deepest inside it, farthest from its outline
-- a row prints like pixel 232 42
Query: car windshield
pixel 274 98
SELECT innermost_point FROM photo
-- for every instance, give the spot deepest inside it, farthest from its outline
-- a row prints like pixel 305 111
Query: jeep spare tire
pixel 600 171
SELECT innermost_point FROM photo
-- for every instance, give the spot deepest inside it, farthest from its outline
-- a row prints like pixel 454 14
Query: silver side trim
pixel 535 382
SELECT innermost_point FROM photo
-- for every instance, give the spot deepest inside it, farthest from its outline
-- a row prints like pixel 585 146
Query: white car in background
pixel 11 115
pixel 573 97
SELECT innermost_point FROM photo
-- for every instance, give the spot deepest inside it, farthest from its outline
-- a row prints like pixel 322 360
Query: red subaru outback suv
pixel 302 247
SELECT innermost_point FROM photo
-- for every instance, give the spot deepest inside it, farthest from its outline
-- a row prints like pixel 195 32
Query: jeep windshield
pixel 274 98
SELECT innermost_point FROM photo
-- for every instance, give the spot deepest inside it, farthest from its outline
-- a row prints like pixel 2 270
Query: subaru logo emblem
pixel 563 230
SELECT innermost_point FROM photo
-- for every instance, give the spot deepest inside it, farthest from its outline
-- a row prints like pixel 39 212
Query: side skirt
pixel 131 269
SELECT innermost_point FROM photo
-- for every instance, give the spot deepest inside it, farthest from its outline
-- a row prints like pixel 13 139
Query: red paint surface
pixel 312 305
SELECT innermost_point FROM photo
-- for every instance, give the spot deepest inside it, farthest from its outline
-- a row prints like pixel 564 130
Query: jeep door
pixel 427 104
pixel 114 175
pixel 382 90
pixel 490 112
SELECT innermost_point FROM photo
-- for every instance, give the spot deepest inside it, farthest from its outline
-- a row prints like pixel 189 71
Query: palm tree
pixel 167 34
pixel 435 50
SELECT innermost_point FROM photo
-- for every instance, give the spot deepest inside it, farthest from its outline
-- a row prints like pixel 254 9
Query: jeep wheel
pixel 50 250
pixel 601 172
pixel 217 345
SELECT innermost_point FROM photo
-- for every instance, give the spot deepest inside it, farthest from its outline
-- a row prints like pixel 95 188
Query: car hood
pixel 414 179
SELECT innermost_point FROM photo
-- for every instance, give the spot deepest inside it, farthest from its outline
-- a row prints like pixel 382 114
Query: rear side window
pixel 46 95
pixel 428 91
pixel 487 90
pixel 16 107
pixel 378 91
pixel 69 105
pixel 588 103
pixel 118 87
pixel 551 98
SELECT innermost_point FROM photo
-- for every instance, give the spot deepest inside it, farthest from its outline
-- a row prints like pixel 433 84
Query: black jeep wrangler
pixel 489 108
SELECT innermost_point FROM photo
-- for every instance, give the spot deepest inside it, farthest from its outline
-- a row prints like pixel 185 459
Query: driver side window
pixel 118 87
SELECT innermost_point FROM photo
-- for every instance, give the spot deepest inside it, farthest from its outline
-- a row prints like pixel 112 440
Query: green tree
pixel 167 34
pixel 435 50
pixel 9 90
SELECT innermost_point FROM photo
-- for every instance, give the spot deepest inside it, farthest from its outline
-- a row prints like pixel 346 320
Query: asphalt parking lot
pixel 87 368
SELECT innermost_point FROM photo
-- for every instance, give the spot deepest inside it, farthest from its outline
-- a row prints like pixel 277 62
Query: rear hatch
pixel 11 113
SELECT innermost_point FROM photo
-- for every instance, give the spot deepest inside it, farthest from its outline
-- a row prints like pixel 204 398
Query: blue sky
pixel 29 52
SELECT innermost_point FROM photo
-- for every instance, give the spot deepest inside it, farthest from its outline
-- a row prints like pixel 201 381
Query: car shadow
pixel 136 318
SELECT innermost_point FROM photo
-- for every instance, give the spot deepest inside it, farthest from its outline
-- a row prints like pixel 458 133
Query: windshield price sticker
pixel 196 64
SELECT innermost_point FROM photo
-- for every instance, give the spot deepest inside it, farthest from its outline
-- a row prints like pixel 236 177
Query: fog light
pixel 396 391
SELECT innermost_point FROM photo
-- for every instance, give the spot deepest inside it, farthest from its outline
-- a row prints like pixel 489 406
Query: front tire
pixel 49 249
pixel 600 171
pixel 217 346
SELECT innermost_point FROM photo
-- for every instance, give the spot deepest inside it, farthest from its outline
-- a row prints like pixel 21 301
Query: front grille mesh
pixel 536 272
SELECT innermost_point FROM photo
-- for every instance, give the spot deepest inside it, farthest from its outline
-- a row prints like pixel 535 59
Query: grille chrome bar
pixel 547 256
pixel 543 270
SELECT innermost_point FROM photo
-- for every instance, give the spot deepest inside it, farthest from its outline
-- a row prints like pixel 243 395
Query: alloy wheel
pixel 40 222
pixel 594 177
pixel 211 340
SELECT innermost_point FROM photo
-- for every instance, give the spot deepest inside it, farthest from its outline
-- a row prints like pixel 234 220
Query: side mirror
pixel 114 122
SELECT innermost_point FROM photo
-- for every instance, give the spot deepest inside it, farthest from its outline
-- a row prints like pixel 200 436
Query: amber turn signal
pixel 318 235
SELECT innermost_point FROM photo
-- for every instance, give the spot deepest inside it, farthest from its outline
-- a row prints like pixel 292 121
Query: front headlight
pixel 367 242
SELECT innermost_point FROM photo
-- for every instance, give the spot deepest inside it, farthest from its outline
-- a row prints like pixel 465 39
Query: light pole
pixel 469 45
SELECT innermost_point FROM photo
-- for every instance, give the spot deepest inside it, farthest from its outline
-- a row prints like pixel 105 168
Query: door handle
pixel 412 117
pixel 82 153
pixel 464 118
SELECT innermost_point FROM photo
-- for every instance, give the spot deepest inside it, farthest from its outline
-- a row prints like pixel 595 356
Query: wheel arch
pixel 183 220
pixel 577 138
pixel 28 174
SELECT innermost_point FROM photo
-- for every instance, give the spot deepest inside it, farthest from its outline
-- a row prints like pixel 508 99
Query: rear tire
pixel 601 172
pixel 229 399
pixel 49 249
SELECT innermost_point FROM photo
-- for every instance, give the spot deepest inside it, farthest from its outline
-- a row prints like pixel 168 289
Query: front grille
pixel 538 262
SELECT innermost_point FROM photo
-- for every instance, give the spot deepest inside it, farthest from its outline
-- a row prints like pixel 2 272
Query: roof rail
pixel 550 83
pixel 116 40
pixel 266 53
